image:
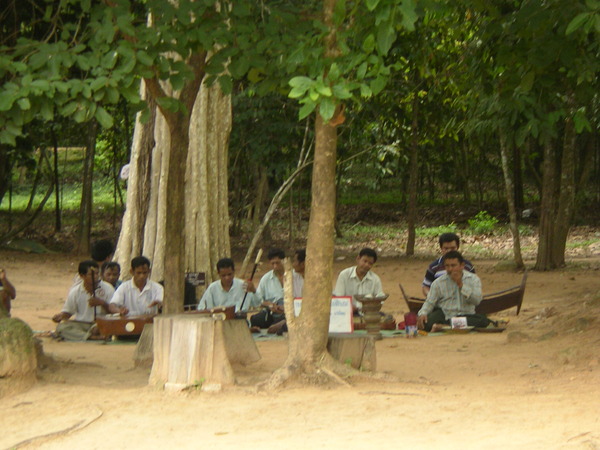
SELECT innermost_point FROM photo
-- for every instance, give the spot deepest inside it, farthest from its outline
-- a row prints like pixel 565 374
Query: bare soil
pixel 536 385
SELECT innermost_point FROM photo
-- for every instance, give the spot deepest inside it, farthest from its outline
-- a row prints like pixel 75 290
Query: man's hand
pixel 421 321
pixel 249 286
pixel 95 301
pixel 155 303
pixel 60 316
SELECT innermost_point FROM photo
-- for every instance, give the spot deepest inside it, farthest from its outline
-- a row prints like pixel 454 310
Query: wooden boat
pixel 491 303
pixel 123 325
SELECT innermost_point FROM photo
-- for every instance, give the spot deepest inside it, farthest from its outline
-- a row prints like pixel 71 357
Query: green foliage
pixel 436 231
pixel 482 223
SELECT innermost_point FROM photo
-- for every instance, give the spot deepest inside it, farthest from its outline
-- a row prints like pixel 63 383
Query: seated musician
pixel 448 242
pixel 359 279
pixel 7 293
pixel 111 272
pixel 227 291
pixel 269 292
pixel 86 300
pixel 454 294
pixel 139 295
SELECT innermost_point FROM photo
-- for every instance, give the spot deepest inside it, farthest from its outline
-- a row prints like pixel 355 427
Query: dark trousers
pixel 265 318
pixel 473 320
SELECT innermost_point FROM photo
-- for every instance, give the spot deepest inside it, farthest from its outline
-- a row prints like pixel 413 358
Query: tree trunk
pixel 87 192
pixel 413 179
pixel 512 212
pixel 56 181
pixel 205 217
pixel 558 201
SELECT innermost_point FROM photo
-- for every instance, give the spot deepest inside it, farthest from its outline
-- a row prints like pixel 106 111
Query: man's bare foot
pixel 275 328
pixel 254 329
pixel 438 327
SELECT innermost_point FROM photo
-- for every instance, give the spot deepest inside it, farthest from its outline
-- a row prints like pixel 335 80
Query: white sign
pixel 340 317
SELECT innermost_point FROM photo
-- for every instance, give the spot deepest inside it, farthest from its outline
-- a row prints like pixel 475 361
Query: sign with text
pixel 340 317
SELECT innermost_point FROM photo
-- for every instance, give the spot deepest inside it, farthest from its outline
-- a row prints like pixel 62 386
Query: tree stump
pixel 356 350
pixel 144 350
pixel 191 349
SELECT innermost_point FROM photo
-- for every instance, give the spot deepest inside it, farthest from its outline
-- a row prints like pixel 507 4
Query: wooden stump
pixel 193 349
pixel 356 350
pixel 144 350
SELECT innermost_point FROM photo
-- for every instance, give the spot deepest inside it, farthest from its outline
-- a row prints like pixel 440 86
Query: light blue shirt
pixel 446 295
pixel 215 296
pixel 269 288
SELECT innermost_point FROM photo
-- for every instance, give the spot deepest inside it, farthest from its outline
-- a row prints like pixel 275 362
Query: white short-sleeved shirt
pixel 348 284
pixel 298 283
pixel 136 301
pixel 77 301
pixel 216 296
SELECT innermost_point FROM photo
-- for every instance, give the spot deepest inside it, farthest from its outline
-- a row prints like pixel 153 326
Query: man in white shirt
pixel 270 292
pixel 298 273
pixel 227 291
pixel 359 279
pixel 139 295
pixel 86 300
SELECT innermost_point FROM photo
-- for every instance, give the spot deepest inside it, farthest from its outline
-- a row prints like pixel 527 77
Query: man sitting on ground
pixel 448 242
pixel 270 292
pixel 227 291
pixel 359 279
pixel 111 272
pixel 139 295
pixel 7 293
pixel 298 273
pixel 87 300
pixel 454 294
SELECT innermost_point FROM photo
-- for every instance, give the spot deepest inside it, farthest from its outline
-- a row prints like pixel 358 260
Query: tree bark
pixel 558 201
pixel 413 179
pixel 85 209
pixel 510 198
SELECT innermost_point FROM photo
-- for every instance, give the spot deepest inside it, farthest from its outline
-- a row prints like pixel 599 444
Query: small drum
pixel 123 325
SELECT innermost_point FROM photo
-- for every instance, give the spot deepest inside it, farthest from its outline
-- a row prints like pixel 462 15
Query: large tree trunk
pixel 308 358
pixel 205 218
pixel 510 198
pixel 558 201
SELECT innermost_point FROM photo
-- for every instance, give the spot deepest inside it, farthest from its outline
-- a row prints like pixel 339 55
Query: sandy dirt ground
pixel 536 385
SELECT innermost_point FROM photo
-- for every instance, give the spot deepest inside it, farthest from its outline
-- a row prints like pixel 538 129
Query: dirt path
pixel 536 385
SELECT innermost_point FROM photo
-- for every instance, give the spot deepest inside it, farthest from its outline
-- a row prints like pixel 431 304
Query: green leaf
pixel 6 100
pixel 327 109
pixel 144 58
pixel 297 92
pixel 577 22
pixel 304 82
pixel 372 4
pixel 378 84
pixel 362 71
pixel 103 117
pixel 324 90
pixel 386 35
pixel 581 122
pixel 168 103
pixel 527 82
pixel 24 104
pixel 47 111
pixel 226 84
pixel 409 14
pixel 365 91
pixel 369 44
pixel 306 110
pixel 340 91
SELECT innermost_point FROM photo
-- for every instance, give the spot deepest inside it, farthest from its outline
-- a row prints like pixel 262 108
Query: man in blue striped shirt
pixel 456 293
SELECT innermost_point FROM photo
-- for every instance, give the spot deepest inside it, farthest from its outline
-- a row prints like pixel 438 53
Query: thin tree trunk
pixel 413 178
pixel 85 209
pixel 544 255
pixel 512 212
pixel 56 181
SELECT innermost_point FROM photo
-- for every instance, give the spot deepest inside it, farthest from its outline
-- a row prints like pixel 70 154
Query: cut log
pixel 356 350
pixel 144 350
pixel 191 349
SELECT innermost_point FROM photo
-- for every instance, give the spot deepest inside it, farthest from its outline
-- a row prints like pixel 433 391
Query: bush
pixel 482 223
